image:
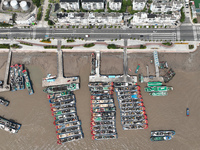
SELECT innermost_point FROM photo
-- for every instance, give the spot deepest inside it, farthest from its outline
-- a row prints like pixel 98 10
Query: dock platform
pixel 60 78
pixel 110 78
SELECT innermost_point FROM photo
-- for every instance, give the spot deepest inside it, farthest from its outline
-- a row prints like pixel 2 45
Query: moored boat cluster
pixel 132 110
pixel 162 135
pixel 103 117
pixel 19 78
pixel 63 107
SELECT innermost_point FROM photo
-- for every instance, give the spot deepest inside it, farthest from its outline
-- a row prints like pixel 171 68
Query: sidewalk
pixel 176 47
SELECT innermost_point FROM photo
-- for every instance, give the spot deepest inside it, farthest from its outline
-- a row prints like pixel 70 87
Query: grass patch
pixel 7 46
pixel 66 47
pixel 191 46
pixel 143 47
pixel 46 41
pixel 89 45
pixel 5 24
pixel 50 47
pixel 29 44
pixel 39 14
pixel 15 46
pixel 182 15
pixel 167 43
pixel 70 41
pixel 113 46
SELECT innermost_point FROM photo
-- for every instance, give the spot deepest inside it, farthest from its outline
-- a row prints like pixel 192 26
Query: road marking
pixel 34 33
pixel 195 33
pixel 178 34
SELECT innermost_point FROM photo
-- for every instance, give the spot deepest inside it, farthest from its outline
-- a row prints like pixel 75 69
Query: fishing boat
pixel 100 114
pixel 136 70
pixel 126 119
pixel 9 126
pixel 104 137
pixel 135 122
pixel 160 138
pixel 124 101
pixel 59 94
pixel 103 132
pixel 122 97
pixel 124 84
pixel 102 127
pixel 69 129
pixel 65 120
pixel 109 122
pixel 49 78
pixel 101 97
pixel 158 94
pixel 70 139
pixel 158 89
pixel 154 84
pixel 68 124
pixel 98 93
pixel 131 105
pixel 133 109
pixel 27 82
pixel 93 66
pixel 101 88
pixel 103 109
pixel 66 111
pixel 102 105
pixel 102 101
pixel 102 118
pixel 163 133
pixel 4 102
pixel 135 127
pixel 100 84
pixel 62 88
pixel 64 135
pixel 128 93
pixel 128 88
pixel 169 75
pixel 62 103
pixel 61 108
pixel 69 115
pixel 130 113
pixel 62 99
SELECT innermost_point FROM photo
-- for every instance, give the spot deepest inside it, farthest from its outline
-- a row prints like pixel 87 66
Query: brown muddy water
pixel 39 133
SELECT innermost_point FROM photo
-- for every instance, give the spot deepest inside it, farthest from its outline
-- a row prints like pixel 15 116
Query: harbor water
pixel 164 113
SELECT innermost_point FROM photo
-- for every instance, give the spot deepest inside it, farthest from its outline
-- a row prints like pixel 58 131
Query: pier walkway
pixel 6 85
pixel 118 78
pixel 60 75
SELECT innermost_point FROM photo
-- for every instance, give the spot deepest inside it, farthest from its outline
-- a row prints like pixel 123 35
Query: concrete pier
pixel 60 78
pixel 6 86
pixel 118 78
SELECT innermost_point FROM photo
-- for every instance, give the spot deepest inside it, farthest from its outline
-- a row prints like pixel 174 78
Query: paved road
pixel 184 32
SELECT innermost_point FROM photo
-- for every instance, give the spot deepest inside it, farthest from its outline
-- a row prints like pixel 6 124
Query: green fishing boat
pixel 158 89
pixel 160 138
pixel 154 84
pixel 158 94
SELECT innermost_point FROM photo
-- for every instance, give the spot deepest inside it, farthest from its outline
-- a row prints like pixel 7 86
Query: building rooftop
pixel 87 1
pixel 68 1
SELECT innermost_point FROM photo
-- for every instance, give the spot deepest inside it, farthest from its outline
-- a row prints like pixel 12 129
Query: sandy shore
pixel 33 112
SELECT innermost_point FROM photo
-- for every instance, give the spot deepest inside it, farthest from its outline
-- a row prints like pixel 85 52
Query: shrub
pixel 191 46
pixel 167 43
pixel 89 45
pixel 143 47
pixel 113 46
